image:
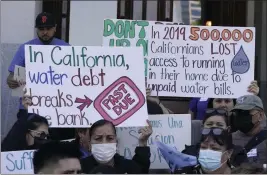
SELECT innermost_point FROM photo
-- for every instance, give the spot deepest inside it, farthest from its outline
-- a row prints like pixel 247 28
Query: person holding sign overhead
pixel 103 141
pixel 29 132
pixel 154 106
pixel 198 106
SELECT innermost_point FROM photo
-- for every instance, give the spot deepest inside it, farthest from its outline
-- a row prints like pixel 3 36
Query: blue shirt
pixel 198 106
pixel 19 58
pixel 85 153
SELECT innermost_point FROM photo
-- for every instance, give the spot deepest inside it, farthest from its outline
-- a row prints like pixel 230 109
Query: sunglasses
pixel 41 134
pixel 212 131
pixel 218 134
pixel 216 111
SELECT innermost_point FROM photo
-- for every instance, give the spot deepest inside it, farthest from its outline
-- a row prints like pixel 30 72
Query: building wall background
pixel 17 27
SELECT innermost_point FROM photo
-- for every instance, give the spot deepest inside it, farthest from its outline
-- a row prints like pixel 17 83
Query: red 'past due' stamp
pixel 119 101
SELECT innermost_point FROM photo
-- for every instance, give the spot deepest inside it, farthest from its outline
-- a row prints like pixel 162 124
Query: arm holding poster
pixel 157 101
pixel 142 152
pixel 18 129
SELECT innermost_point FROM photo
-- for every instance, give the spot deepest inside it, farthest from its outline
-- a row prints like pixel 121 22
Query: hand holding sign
pixel 26 99
pixel 175 159
pixel 254 88
pixel 145 133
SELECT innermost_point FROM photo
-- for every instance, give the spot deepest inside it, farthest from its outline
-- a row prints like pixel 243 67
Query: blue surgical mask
pixel 210 160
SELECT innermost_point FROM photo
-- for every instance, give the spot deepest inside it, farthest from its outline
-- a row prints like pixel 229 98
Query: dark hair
pixel 35 121
pixel 225 139
pixel 210 103
pixel 103 169
pixel 50 153
pixel 207 116
pixel 77 131
pixel 100 123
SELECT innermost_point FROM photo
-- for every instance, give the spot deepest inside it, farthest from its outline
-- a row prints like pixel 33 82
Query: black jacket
pixel 138 165
pixel 16 138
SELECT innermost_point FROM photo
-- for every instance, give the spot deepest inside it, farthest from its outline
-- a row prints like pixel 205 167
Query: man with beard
pixel 45 25
pixel 46 29
pixel 250 121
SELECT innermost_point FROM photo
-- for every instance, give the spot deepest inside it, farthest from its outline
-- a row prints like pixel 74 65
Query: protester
pixel 103 142
pixel 29 131
pixel 154 105
pixel 198 106
pixel 57 158
pixel 250 168
pixel 45 25
pixel 217 118
pixel 215 151
pixel 250 120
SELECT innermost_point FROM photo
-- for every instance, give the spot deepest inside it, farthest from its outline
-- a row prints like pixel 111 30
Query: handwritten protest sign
pixel 189 61
pixel 172 129
pixel 20 76
pixel 76 86
pixel 17 162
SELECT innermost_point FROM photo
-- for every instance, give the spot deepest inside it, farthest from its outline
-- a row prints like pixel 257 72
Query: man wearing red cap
pixel 45 25
pixel 46 29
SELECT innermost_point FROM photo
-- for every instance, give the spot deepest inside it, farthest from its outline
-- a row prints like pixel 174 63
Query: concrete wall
pixel 17 27
pixel 86 21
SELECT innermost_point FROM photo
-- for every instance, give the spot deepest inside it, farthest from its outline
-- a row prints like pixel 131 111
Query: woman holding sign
pixel 198 106
pixel 103 142
pixel 29 131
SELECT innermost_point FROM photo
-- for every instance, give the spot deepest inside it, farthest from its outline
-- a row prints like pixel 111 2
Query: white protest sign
pixel 20 76
pixel 189 61
pixel 74 86
pixel 17 162
pixel 171 129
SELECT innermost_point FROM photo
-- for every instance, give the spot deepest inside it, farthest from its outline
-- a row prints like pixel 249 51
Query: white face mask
pixel 104 152
pixel 210 160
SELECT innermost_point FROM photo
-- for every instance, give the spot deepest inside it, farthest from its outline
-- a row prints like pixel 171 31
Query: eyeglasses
pixel 218 134
pixel 212 131
pixel 41 134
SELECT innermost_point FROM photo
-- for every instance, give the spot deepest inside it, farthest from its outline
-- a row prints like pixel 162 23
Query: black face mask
pixel 38 142
pixel 243 122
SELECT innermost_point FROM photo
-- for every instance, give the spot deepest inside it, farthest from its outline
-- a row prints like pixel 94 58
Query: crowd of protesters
pixel 233 138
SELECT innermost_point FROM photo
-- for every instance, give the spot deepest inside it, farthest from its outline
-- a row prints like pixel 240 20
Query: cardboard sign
pixel 75 86
pixel 189 61
pixel 172 129
pixel 20 76
pixel 17 162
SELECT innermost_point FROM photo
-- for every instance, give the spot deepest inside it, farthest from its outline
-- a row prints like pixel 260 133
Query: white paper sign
pixel 17 162
pixel 75 86
pixel 171 129
pixel 189 61
pixel 19 75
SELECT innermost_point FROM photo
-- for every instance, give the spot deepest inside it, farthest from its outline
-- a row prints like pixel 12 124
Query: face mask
pixel 104 152
pixel 210 160
pixel 38 142
pixel 244 123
